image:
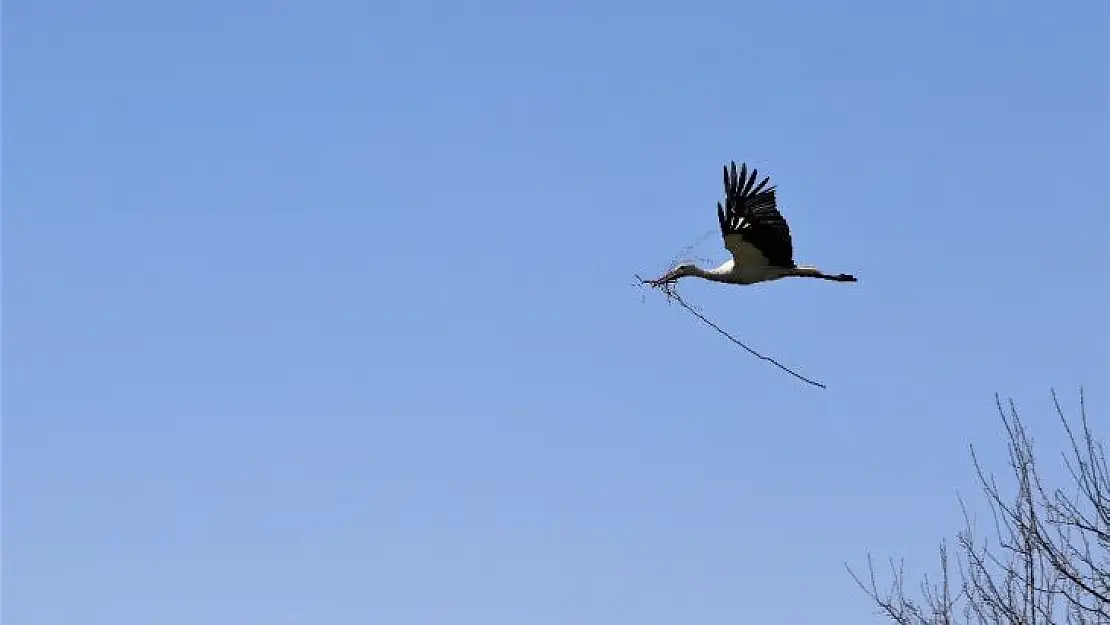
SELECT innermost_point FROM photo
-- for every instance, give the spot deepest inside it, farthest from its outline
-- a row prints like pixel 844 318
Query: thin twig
pixel 689 248
pixel 672 293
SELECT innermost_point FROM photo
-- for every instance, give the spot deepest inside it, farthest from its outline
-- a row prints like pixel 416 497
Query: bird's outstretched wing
pixel 753 228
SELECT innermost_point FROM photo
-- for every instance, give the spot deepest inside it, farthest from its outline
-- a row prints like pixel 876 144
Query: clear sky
pixel 320 313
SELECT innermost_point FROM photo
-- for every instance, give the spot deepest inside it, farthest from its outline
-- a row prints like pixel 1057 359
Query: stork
pixel 756 234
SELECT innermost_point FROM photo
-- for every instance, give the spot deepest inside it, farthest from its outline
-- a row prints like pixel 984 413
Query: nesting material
pixel 669 289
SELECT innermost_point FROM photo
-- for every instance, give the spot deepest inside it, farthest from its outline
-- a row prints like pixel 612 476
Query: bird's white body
pixel 729 273
pixel 732 273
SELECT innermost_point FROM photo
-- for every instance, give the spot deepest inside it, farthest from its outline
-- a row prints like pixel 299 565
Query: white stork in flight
pixel 756 234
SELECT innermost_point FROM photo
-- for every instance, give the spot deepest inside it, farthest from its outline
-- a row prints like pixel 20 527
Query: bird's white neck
pixel 717 274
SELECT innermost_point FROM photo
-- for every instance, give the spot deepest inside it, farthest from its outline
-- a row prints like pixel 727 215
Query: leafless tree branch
pixel 1050 562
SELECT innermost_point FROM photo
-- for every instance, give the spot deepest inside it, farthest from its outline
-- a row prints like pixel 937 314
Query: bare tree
pixel 1050 563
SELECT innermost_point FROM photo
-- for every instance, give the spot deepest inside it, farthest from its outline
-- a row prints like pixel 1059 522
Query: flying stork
pixel 756 234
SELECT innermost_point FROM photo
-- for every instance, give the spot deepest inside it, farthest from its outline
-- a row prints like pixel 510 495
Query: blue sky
pixel 320 313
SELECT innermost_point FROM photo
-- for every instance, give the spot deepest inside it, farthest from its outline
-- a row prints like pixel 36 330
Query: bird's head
pixel 680 271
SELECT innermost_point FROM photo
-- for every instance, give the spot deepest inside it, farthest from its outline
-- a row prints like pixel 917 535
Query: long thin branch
pixel 673 294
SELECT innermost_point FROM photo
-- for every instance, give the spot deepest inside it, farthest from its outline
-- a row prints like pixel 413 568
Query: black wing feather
pixel 751 211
